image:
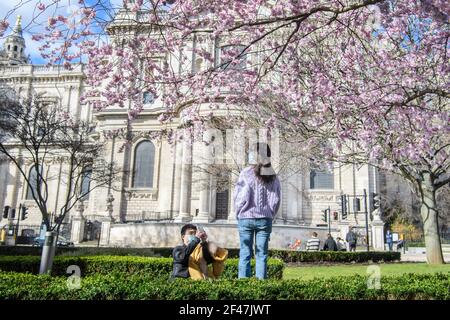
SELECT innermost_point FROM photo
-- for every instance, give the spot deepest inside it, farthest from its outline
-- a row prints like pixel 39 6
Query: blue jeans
pixel 249 229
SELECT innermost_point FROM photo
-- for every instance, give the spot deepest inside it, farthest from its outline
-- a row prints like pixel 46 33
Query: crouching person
pixel 191 238
pixel 204 255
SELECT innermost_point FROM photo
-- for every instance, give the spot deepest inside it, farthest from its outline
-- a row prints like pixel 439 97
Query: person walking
pixel 313 244
pixel 351 239
pixel 256 202
pixel 341 244
pixel 389 239
pixel 330 244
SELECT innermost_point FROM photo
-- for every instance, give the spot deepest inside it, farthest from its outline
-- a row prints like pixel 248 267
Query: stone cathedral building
pixel 159 195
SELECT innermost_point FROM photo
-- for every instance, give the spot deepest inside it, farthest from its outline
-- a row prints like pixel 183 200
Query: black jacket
pixel 330 245
pixel 180 256
pixel 351 237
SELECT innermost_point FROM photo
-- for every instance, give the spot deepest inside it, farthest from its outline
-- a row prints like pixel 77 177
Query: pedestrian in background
pixel 351 239
pixel 313 243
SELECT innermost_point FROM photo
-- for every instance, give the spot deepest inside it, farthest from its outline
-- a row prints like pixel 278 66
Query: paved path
pixel 418 257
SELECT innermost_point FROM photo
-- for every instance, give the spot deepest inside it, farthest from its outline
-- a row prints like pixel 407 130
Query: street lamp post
pixel 329 220
pixel 367 219
pixel 18 222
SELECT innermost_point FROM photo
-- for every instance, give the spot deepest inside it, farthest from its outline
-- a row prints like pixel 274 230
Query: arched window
pixel 144 160
pixel 15 48
pixel 85 182
pixel 321 178
pixel 35 185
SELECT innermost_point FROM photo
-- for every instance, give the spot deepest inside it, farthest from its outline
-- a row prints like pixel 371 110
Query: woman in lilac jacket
pixel 256 202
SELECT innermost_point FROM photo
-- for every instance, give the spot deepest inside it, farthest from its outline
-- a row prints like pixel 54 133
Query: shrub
pixel 98 287
pixel 148 266
pixel 87 251
pixel 285 255
pixel 334 256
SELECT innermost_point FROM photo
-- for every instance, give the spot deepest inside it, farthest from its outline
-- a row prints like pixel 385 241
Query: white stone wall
pixel 225 235
pixel 59 86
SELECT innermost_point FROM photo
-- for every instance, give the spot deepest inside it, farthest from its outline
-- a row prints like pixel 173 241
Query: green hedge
pixel 98 287
pixel 334 256
pixel 148 266
pixel 415 244
pixel 87 251
pixel 285 255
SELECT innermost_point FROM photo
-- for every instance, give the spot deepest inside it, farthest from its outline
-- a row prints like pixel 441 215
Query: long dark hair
pixel 262 147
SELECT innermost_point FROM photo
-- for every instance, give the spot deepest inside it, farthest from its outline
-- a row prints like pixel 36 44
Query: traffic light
pixel 24 212
pixel 58 219
pixel 376 200
pixel 5 212
pixel 343 203
pixel 356 204
pixel 324 215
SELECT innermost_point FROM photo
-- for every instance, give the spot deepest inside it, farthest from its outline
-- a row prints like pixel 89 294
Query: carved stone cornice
pixel 49 161
pixel 141 194
pixel 30 204
pixel 323 196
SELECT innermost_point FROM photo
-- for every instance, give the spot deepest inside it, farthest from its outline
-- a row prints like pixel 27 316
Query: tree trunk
pixel 430 220
pixel 48 252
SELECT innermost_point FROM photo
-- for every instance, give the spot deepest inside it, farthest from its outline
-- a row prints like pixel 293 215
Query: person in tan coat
pixel 207 261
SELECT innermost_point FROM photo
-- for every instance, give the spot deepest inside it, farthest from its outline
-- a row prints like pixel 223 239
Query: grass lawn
pixel 310 272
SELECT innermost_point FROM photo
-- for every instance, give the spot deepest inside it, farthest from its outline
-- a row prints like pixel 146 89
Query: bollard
pixel 47 250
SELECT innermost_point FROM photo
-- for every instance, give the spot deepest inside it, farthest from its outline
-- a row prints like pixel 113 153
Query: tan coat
pixel 198 269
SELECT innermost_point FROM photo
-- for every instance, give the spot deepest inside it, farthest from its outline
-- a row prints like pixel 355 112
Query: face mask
pixel 191 238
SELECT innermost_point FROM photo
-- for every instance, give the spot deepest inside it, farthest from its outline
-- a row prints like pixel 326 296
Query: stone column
pixel 186 181
pixel 3 177
pixel 377 232
pixel 78 224
pixel 122 180
pixel 237 159
pixel 202 158
pixel 292 196
pixel 177 178
pixel 16 188
pixel 204 210
pixel 301 190
pixel 282 215
pixel 67 98
pixel 165 178
pixel 234 180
